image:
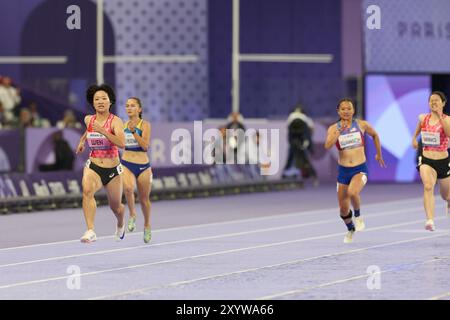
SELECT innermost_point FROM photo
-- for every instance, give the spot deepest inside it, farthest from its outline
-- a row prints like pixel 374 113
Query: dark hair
pixel 139 103
pixel 90 92
pixel 440 94
pixel 299 108
pixel 346 100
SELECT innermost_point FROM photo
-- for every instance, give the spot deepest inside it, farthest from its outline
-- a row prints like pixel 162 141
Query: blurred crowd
pixel 14 113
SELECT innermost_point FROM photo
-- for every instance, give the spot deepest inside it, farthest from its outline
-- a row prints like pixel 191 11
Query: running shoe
pixel 89 236
pixel 429 225
pixel 132 223
pixel 349 236
pixel 359 224
pixel 147 235
pixel 120 233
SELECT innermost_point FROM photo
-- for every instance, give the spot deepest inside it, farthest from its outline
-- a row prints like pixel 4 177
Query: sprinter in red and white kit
pixel 434 162
pixel 104 135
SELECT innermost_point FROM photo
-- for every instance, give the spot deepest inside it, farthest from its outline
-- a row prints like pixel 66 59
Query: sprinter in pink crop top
pixel 104 135
pixel 433 161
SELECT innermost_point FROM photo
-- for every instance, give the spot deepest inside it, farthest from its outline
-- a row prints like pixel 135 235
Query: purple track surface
pixel 281 245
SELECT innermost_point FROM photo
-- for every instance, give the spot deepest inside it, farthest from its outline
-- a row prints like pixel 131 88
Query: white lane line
pixel 275 216
pixel 441 296
pixel 340 281
pixel 217 276
pixel 220 236
pixel 206 255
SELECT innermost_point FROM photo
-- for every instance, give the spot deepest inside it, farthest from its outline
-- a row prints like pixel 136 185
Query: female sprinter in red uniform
pixel 104 135
pixel 348 136
pixel 137 169
pixel 434 162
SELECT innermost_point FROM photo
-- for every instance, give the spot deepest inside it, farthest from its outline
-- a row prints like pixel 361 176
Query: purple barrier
pixel 10 150
pixel 58 183
pixel 40 147
pixel 63 183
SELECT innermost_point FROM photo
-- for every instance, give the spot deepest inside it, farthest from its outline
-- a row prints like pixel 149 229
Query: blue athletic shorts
pixel 135 168
pixel 346 174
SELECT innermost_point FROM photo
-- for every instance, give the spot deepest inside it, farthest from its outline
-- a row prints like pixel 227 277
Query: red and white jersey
pixel 433 136
pixel 100 146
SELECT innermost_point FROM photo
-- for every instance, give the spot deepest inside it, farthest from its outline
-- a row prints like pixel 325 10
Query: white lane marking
pixel 226 235
pixel 216 276
pixel 327 284
pixel 206 255
pixel 276 216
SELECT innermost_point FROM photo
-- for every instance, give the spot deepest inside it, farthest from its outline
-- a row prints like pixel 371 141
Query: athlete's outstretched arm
pixel 376 139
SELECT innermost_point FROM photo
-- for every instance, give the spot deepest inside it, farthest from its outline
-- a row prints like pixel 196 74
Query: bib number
pixel 350 140
pixel 97 141
pixel 130 140
pixel 431 139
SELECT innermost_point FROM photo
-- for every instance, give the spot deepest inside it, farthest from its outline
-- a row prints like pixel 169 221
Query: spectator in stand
pixel 235 122
pixel 300 130
pixel 37 120
pixel 2 116
pixel 9 97
pixel 64 155
pixel 219 151
pixel 68 121
pixel 25 119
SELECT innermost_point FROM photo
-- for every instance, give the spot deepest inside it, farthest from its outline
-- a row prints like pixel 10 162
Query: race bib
pixel 350 140
pixel 97 141
pixel 431 139
pixel 130 140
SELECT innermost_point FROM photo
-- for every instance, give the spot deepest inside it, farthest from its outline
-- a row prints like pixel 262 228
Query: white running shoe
pixel 349 236
pixel 89 236
pixel 359 224
pixel 120 233
pixel 429 225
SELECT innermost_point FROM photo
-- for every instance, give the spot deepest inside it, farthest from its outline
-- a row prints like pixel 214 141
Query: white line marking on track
pixel 227 235
pixel 185 282
pixel 282 215
pixel 440 296
pixel 327 284
pixel 206 255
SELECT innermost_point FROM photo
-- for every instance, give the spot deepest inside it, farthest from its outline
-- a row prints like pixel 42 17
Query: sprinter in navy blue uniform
pixel 137 169
pixel 348 136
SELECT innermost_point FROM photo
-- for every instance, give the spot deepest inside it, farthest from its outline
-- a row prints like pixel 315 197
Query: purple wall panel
pixel 176 92
pixel 278 27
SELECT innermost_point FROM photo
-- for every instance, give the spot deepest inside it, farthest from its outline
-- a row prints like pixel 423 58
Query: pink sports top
pixel 350 138
pixel 433 136
pixel 100 146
